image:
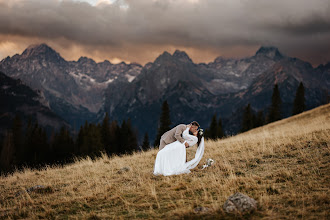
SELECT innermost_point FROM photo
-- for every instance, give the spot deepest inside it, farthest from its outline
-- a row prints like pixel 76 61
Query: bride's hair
pixel 200 134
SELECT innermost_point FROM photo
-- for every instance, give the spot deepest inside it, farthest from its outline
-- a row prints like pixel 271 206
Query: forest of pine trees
pixel 251 120
pixel 30 146
pixel 215 130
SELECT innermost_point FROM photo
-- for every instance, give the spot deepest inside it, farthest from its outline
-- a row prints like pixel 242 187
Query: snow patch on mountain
pixel 129 77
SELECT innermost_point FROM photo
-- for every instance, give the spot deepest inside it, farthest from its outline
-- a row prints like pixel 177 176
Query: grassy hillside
pixel 283 165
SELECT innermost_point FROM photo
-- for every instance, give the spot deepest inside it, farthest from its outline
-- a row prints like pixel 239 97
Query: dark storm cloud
pixel 52 19
pixel 311 26
pixel 204 24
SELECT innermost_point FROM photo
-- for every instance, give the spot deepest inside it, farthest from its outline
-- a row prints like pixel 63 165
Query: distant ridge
pixel 84 90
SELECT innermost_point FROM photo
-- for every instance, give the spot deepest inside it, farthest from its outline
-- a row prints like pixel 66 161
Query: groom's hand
pixel 186 144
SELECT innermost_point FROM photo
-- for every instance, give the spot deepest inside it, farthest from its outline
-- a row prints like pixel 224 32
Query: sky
pixel 140 30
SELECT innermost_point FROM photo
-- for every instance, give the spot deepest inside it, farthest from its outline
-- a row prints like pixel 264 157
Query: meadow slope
pixel 283 165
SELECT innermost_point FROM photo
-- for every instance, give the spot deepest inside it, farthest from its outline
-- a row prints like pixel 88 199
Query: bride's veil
pixel 198 156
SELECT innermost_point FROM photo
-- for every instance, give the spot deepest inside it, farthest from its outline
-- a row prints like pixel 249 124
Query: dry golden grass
pixel 283 165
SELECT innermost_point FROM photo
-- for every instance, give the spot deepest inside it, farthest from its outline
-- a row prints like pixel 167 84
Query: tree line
pixel 30 146
pixel 251 120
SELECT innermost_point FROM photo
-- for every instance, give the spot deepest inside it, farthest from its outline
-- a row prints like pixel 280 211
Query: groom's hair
pixel 195 123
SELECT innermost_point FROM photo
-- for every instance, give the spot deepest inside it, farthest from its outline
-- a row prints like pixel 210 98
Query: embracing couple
pixel 171 158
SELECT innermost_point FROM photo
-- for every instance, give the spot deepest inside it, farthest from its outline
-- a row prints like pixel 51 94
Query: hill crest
pixel 284 161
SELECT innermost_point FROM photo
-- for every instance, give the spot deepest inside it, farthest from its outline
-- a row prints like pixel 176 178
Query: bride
pixel 171 160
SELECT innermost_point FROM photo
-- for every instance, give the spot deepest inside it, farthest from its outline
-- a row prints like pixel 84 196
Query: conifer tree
pixel 164 122
pixel 213 129
pixel 89 140
pixel 63 148
pixel 94 140
pixel 299 101
pixel 275 108
pixel 7 152
pixel 40 142
pixel 131 138
pixel 146 144
pixel 36 146
pixel 17 132
pixel 220 133
pixel 206 133
pixel 247 122
pixel 260 120
pixel 122 137
pixel 28 142
pixel 254 120
pixel 82 141
pixel 114 137
pixel 1 145
pixel 45 149
pixel 105 131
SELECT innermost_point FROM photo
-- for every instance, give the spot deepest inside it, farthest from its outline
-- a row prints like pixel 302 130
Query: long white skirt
pixel 171 160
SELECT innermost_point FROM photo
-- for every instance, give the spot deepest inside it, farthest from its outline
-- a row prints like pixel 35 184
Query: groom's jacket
pixel 174 134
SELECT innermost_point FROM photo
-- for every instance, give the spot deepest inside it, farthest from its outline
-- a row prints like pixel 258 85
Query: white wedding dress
pixel 171 160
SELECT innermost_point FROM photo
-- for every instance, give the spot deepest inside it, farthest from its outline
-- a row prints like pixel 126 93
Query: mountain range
pixel 73 89
pixel 84 90
pixel 20 100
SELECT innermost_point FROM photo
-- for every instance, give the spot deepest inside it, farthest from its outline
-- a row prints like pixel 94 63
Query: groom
pixel 175 134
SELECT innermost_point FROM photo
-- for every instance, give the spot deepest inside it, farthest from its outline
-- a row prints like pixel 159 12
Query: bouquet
pixel 208 163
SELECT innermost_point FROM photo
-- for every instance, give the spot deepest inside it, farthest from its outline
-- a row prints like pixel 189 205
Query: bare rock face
pixel 16 98
pixel 240 203
pixel 73 89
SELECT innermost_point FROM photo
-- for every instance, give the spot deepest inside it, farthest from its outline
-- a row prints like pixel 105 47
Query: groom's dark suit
pixel 172 135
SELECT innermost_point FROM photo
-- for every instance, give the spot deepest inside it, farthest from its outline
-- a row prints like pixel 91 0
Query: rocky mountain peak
pixel 324 66
pixel 177 55
pixel 41 50
pixel 135 64
pixel 164 56
pixel 86 60
pixel 181 55
pixel 221 59
pixel 105 63
pixel 36 49
pixel 269 51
